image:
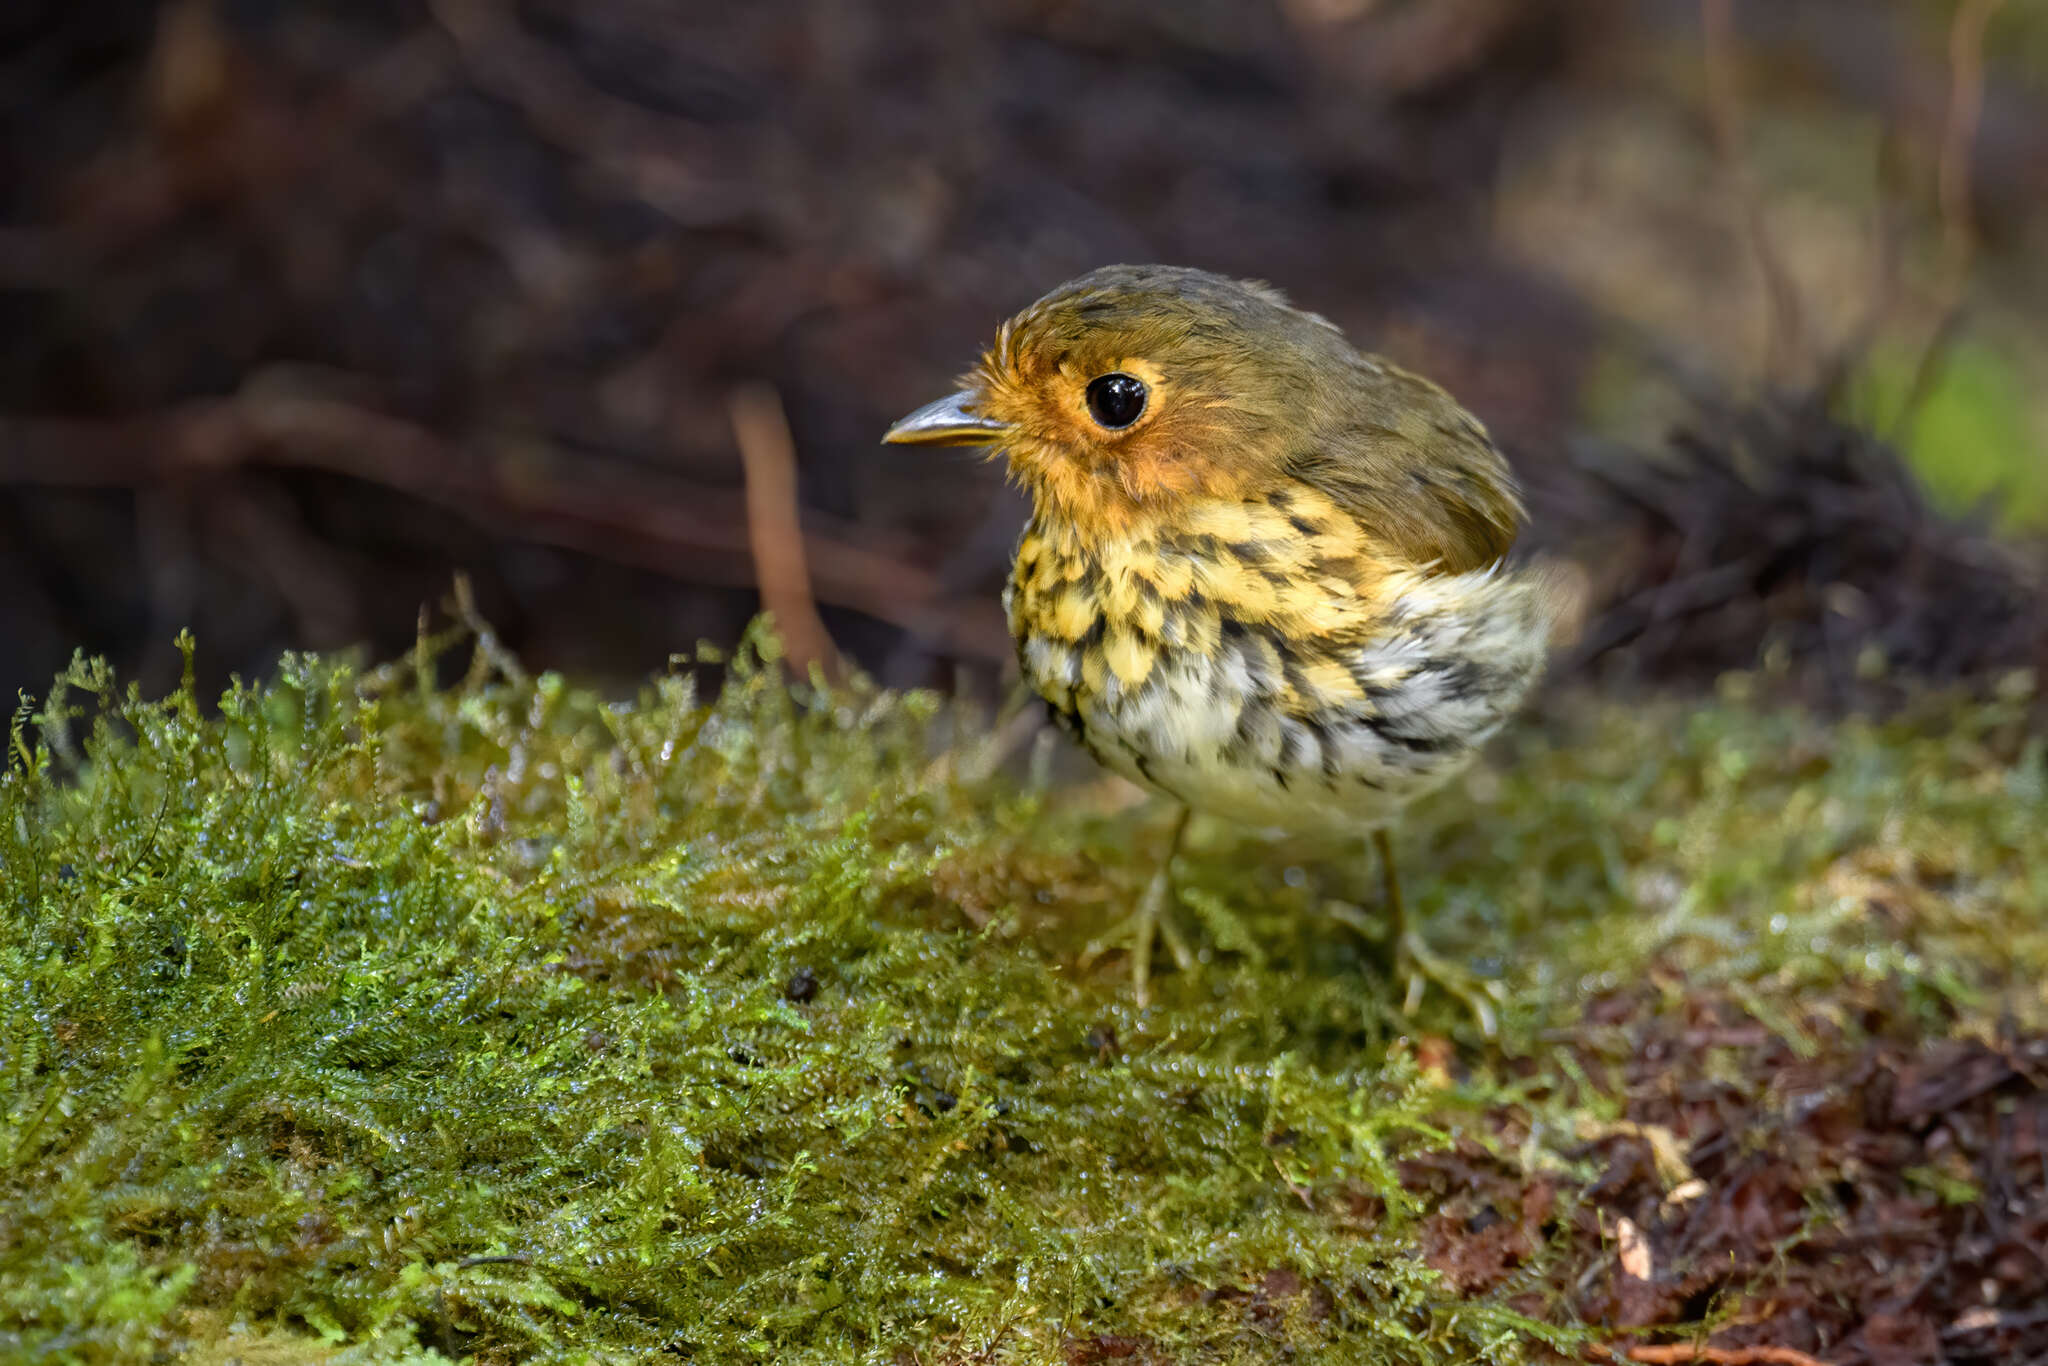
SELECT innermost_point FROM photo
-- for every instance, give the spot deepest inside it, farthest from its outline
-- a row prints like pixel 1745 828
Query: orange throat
pixel 1117 495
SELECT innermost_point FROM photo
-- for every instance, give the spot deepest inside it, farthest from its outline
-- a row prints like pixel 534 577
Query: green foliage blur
pixel 1969 428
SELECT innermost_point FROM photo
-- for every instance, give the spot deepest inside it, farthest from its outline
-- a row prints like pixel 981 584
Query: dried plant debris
pixel 362 1012
pixel 1870 1202
pixel 1776 535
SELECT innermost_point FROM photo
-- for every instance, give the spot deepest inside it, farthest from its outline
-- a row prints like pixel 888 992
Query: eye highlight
pixel 1116 400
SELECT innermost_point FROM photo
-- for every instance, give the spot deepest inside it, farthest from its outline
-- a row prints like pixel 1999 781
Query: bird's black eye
pixel 1116 399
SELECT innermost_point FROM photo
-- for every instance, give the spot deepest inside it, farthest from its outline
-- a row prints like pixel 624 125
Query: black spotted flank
pixel 1290 669
pixel 1463 679
pixel 1258 666
pixel 1245 736
pixel 1296 737
pixel 1319 731
pixel 1409 740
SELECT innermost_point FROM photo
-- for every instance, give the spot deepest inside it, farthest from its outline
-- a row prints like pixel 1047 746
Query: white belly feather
pixel 1210 728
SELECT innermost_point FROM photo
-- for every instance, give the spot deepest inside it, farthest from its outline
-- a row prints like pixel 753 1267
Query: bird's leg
pixel 1419 964
pixel 1153 917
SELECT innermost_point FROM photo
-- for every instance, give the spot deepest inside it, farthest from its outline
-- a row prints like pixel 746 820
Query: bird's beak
pixel 946 422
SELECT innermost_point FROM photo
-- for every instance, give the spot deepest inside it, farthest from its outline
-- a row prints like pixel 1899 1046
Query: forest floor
pixel 373 1017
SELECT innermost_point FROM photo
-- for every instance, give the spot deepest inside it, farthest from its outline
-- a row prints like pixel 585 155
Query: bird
pixel 1265 573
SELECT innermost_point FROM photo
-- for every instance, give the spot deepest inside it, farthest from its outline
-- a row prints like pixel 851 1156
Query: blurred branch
pixel 631 145
pixel 667 525
pixel 189 65
pixel 768 453
pixel 1954 177
pixel 222 131
pixel 1786 340
pixel 1959 135
pixel 1887 238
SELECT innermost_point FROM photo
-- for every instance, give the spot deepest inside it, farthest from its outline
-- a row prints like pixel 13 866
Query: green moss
pixel 478 1019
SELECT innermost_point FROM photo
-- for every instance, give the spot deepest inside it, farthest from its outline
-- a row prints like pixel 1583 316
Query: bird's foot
pixel 1136 932
pixel 1418 965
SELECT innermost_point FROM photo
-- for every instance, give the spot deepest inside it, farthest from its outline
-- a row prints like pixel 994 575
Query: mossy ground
pixel 367 1017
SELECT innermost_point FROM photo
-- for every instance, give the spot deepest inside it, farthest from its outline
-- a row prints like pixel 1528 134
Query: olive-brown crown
pixel 1236 393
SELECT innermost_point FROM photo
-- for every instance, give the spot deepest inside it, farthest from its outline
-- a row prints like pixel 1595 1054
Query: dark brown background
pixel 304 307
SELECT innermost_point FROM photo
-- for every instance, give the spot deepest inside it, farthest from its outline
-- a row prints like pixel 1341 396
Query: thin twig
pixel 1685 1354
pixel 490 652
pixel 769 454
pixel 1294 1188
pixel 1786 342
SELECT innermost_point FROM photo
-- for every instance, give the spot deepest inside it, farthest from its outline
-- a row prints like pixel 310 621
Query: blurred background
pixel 307 307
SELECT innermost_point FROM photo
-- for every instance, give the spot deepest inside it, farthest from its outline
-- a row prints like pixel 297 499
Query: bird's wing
pixel 1417 471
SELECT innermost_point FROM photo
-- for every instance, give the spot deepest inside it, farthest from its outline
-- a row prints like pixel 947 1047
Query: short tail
pixel 1564 591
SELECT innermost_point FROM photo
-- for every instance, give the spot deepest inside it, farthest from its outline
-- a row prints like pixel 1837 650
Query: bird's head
pixel 1133 386
pixel 1132 390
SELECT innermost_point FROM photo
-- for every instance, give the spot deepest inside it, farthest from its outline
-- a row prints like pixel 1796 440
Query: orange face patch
pixel 1104 477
